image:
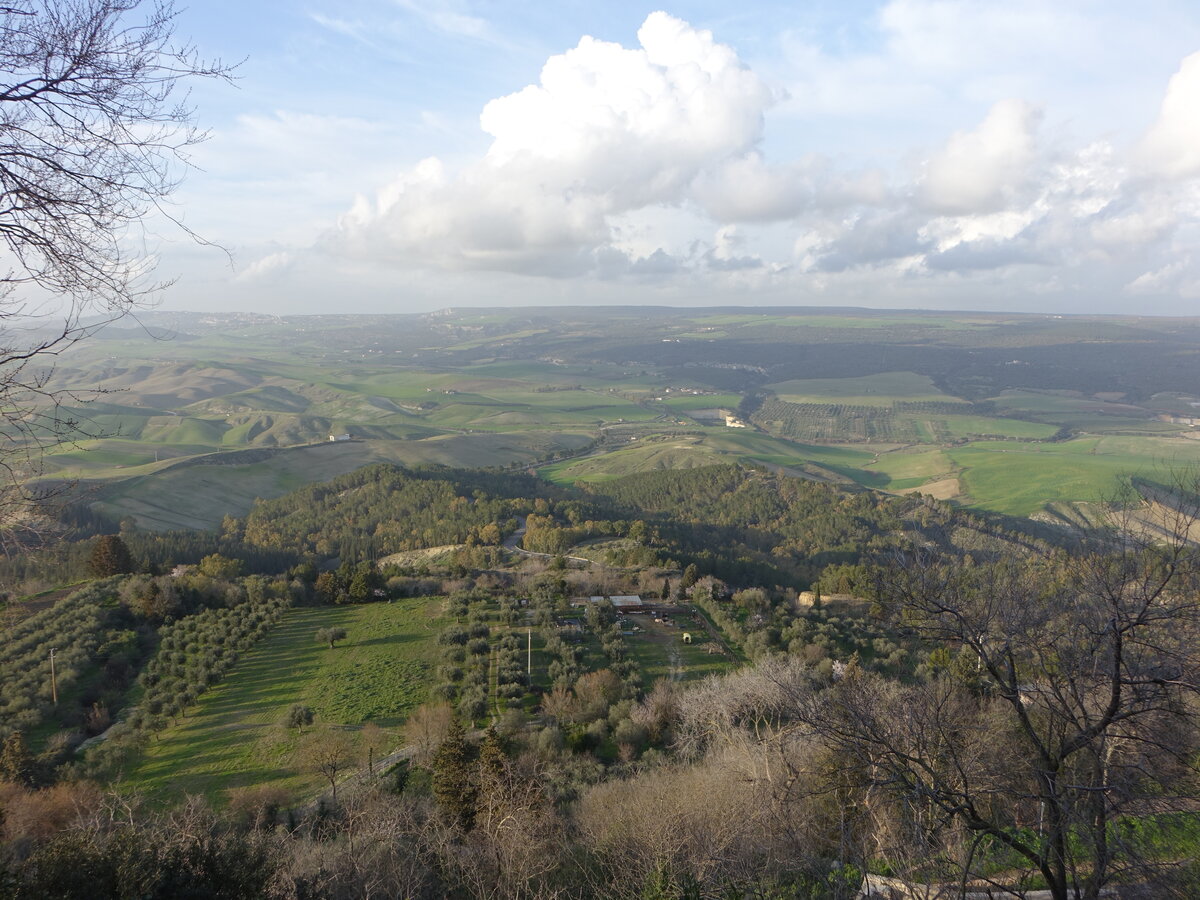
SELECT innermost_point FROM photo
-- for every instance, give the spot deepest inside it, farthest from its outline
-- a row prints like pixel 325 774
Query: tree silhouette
pixel 94 128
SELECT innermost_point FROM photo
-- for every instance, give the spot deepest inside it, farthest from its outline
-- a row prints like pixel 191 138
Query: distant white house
pixel 339 437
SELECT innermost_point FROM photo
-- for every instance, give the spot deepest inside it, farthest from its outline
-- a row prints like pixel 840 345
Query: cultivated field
pixel 234 736
pixel 893 401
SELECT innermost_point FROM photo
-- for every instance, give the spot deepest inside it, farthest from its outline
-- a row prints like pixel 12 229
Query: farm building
pixel 626 602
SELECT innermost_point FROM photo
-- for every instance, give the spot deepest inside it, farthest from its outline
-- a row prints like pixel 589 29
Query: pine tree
pixel 360 588
pixel 690 576
pixel 491 757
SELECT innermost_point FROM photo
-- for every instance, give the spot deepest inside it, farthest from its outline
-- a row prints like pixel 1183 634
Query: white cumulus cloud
pixel 1172 146
pixel 607 130
pixel 985 169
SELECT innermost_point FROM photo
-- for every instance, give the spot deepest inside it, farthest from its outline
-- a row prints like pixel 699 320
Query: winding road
pixel 511 542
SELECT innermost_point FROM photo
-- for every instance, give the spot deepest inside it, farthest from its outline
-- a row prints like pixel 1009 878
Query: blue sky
pixel 407 155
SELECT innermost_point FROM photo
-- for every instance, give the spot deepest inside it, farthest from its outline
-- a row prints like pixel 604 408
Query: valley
pixel 315 575
pixel 1015 414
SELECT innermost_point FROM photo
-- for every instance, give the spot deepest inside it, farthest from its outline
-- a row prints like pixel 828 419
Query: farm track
pixel 511 542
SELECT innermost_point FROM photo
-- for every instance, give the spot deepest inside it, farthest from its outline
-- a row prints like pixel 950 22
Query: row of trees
pixel 74 630
pixel 465 656
pixel 196 652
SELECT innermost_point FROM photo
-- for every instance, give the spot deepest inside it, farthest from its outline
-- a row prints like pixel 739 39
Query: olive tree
pixel 298 716
pixel 330 635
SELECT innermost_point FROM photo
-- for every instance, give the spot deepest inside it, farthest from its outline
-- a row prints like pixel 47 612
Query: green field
pixel 520 387
pixel 801 320
pixel 912 468
pixel 199 495
pixel 233 737
pixel 685 452
pixel 1020 478
pixel 868 390
pixel 661 653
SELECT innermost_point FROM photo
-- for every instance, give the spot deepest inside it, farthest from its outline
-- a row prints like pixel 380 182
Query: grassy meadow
pixel 233 737
pixel 884 389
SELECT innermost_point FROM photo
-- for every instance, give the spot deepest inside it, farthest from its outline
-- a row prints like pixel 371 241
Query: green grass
pixel 867 390
pixel 687 402
pixel 842 321
pixel 968 426
pixel 1049 401
pixel 199 496
pixel 1020 478
pixel 233 737
pixel 907 469
pixel 661 653
pixel 274 385
pixel 685 452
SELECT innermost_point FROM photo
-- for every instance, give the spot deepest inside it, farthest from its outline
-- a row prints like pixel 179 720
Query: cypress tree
pixel 16 764
pixel 110 557
pixel 491 776
pixel 453 787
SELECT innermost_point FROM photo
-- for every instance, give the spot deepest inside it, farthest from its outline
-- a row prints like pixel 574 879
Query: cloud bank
pixel 651 164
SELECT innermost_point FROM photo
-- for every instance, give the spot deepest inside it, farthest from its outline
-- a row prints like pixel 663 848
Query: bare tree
pixel 328 753
pixel 94 131
pixel 1078 716
pixel 425 730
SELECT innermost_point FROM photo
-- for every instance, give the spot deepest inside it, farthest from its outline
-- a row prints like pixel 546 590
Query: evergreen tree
pixel 453 787
pixel 16 764
pixel 492 760
pixel 491 757
pixel 360 588
pixel 326 586
pixel 690 576
pixel 110 557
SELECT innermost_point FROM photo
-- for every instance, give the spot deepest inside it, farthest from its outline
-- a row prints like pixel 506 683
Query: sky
pixel 412 155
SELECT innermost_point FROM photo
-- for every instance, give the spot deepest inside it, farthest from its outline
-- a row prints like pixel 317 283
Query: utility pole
pixel 53 678
pixel 529 656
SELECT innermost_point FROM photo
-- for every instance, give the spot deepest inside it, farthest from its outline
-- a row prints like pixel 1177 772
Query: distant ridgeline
pixel 742 525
